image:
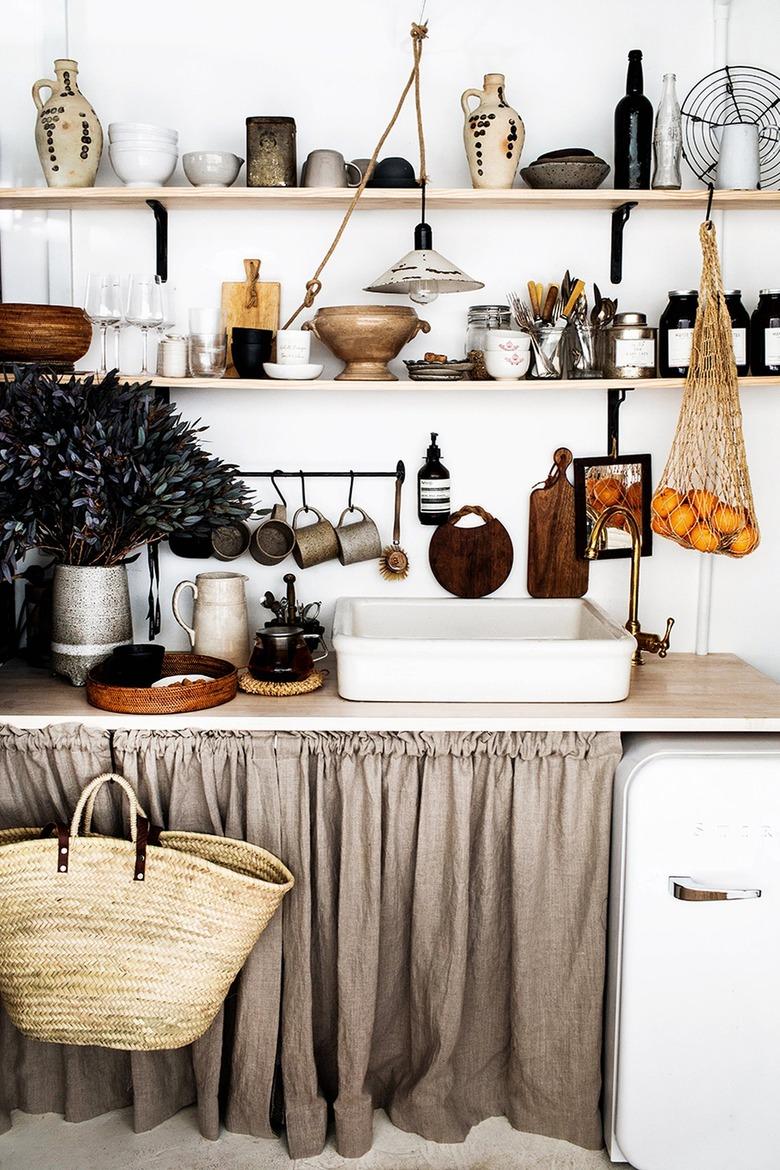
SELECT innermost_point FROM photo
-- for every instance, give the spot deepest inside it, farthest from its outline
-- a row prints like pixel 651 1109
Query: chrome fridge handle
pixel 687 889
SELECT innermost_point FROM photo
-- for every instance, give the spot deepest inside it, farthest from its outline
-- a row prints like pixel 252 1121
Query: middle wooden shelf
pixel 522 384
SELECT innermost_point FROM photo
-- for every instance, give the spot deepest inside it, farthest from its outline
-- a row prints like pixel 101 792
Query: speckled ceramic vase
pixel 68 134
pixel 90 616
pixel 493 134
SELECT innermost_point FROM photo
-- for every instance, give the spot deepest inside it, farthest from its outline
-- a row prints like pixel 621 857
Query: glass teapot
pixel 281 655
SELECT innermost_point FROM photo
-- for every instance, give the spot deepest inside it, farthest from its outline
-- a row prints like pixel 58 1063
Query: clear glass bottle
pixel 667 139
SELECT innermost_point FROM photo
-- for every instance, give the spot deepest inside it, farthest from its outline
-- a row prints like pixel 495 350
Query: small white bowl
pixel 142 166
pixel 506 366
pixel 501 338
pixel 211 168
pixel 172 679
pixel 119 130
pixel 302 373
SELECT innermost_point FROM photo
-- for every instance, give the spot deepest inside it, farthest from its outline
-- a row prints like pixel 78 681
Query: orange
pixel 702 538
pixel 704 502
pixel 665 501
pixel 744 542
pixel 660 526
pixel 682 519
pixel 727 519
pixel 608 490
pixel 634 496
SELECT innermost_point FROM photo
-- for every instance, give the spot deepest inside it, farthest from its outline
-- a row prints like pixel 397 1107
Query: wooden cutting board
pixel 554 569
pixel 250 304
pixel 471 562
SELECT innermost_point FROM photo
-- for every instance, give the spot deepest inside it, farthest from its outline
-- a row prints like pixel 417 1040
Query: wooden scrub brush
pixel 394 563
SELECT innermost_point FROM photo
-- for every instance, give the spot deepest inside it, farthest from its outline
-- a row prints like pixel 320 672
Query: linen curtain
pixel 441 955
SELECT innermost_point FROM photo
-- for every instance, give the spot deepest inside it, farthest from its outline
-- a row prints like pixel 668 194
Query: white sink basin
pixel 494 650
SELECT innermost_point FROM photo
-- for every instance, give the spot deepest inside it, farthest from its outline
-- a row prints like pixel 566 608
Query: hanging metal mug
pixel 315 543
pixel 274 539
pixel 359 541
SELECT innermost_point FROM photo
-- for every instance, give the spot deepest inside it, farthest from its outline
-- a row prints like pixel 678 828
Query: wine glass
pixel 103 306
pixel 144 309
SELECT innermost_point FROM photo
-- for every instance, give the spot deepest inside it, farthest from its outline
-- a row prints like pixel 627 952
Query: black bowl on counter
pixel 135 665
pixel 250 348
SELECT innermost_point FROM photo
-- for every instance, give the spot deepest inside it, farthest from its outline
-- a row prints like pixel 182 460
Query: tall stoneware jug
pixel 493 133
pixel 220 623
pixel 68 134
pixel 90 616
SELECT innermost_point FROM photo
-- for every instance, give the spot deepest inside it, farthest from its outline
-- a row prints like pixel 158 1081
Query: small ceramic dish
pixel 174 679
pixel 507 339
pixel 302 373
pixel 211 168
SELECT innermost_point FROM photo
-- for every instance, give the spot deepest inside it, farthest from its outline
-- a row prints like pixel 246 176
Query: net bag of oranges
pixel 704 500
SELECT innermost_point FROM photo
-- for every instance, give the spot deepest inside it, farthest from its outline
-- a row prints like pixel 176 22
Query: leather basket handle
pixel 470 510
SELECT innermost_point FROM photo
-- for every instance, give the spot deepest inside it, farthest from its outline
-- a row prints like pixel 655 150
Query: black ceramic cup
pixel 136 665
pixel 250 348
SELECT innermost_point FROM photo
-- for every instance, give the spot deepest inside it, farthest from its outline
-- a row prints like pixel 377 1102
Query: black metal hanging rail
pixel 399 473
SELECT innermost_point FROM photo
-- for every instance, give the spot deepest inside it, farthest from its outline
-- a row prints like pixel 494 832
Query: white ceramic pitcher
pixel 220 622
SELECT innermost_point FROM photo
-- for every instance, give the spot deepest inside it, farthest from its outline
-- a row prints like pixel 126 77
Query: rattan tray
pixel 174 700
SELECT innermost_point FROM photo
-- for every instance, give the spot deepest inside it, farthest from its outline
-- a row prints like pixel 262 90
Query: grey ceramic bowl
pixel 573 174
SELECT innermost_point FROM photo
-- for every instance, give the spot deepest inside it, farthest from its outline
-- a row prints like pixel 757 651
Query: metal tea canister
pixel 629 347
pixel 271 159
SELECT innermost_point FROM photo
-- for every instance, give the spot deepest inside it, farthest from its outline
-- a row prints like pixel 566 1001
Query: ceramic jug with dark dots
pixel 68 134
pixel 494 135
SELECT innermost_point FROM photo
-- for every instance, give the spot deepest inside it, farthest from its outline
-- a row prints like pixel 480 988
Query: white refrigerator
pixel 692 1036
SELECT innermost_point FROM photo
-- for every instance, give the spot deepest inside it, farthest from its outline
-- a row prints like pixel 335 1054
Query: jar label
pixel 637 351
pixel 434 496
pixel 740 346
pixel 772 347
pixel 680 341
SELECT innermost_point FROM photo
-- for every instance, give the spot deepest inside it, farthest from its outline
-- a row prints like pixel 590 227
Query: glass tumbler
pixel 207 344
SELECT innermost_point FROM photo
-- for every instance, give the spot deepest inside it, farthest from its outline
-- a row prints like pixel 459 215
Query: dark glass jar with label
pixel 740 329
pixel 765 334
pixel 675 333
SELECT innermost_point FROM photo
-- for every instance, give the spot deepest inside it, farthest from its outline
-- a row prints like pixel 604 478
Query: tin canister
pixel 630 347
pixel 271 159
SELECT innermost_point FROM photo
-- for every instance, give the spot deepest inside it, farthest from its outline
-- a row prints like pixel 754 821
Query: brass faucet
pixel 652 643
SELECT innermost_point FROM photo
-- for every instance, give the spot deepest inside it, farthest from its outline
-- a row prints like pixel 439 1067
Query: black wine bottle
pixel 633 131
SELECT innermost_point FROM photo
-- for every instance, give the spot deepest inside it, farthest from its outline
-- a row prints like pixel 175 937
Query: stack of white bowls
pixel 142 155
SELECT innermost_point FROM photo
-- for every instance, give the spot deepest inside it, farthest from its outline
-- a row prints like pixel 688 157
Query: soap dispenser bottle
pixel 433 487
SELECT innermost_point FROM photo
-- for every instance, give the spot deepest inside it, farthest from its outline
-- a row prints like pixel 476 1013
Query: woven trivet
pixel 282 690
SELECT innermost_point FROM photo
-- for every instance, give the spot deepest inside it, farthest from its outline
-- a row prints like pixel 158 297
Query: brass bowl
pixel 366 337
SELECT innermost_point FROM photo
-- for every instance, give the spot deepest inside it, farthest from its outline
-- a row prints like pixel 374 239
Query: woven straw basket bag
pixel 127 944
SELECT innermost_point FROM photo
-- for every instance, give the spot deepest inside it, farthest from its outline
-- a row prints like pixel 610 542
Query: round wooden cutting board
pixel 471 562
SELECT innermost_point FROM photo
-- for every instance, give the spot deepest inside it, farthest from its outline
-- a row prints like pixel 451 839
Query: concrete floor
pixel 108 1143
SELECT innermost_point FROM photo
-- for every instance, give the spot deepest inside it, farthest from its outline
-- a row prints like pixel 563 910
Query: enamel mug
pixel 316 542
pixel 293 347
pixel 274 539
pixel 738 162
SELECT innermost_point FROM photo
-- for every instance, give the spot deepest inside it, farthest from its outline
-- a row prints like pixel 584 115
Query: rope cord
pixel 314 286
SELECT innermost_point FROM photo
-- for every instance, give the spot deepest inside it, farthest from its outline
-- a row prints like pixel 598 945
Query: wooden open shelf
pixel 243 384
pixel 268 198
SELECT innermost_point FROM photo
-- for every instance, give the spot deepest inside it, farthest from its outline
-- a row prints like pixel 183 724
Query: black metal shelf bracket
pixel 619 220
pixel 615 399
pixel 161 237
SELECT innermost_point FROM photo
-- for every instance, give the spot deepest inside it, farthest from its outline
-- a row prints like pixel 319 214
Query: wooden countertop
pixel 684 692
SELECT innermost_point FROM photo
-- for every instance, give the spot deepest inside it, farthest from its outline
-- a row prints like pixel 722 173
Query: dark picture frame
pixel 638 470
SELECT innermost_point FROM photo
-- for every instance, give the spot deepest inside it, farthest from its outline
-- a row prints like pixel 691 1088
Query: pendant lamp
pixel 423 273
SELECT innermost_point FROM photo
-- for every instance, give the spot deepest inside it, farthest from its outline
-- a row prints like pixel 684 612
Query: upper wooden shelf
pixel 407 383
pixel 605 198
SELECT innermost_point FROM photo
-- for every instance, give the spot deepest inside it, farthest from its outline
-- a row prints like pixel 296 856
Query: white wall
pixel 338 68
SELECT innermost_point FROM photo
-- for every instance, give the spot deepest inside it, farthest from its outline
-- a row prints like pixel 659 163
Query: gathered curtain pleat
pixel 441 954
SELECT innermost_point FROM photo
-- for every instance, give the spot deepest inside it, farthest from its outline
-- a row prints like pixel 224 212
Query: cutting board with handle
pixel 250 304
pixel 472 561
pixel 554 570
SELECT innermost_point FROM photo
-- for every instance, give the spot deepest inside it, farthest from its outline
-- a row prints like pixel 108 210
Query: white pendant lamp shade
pixel 423 273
